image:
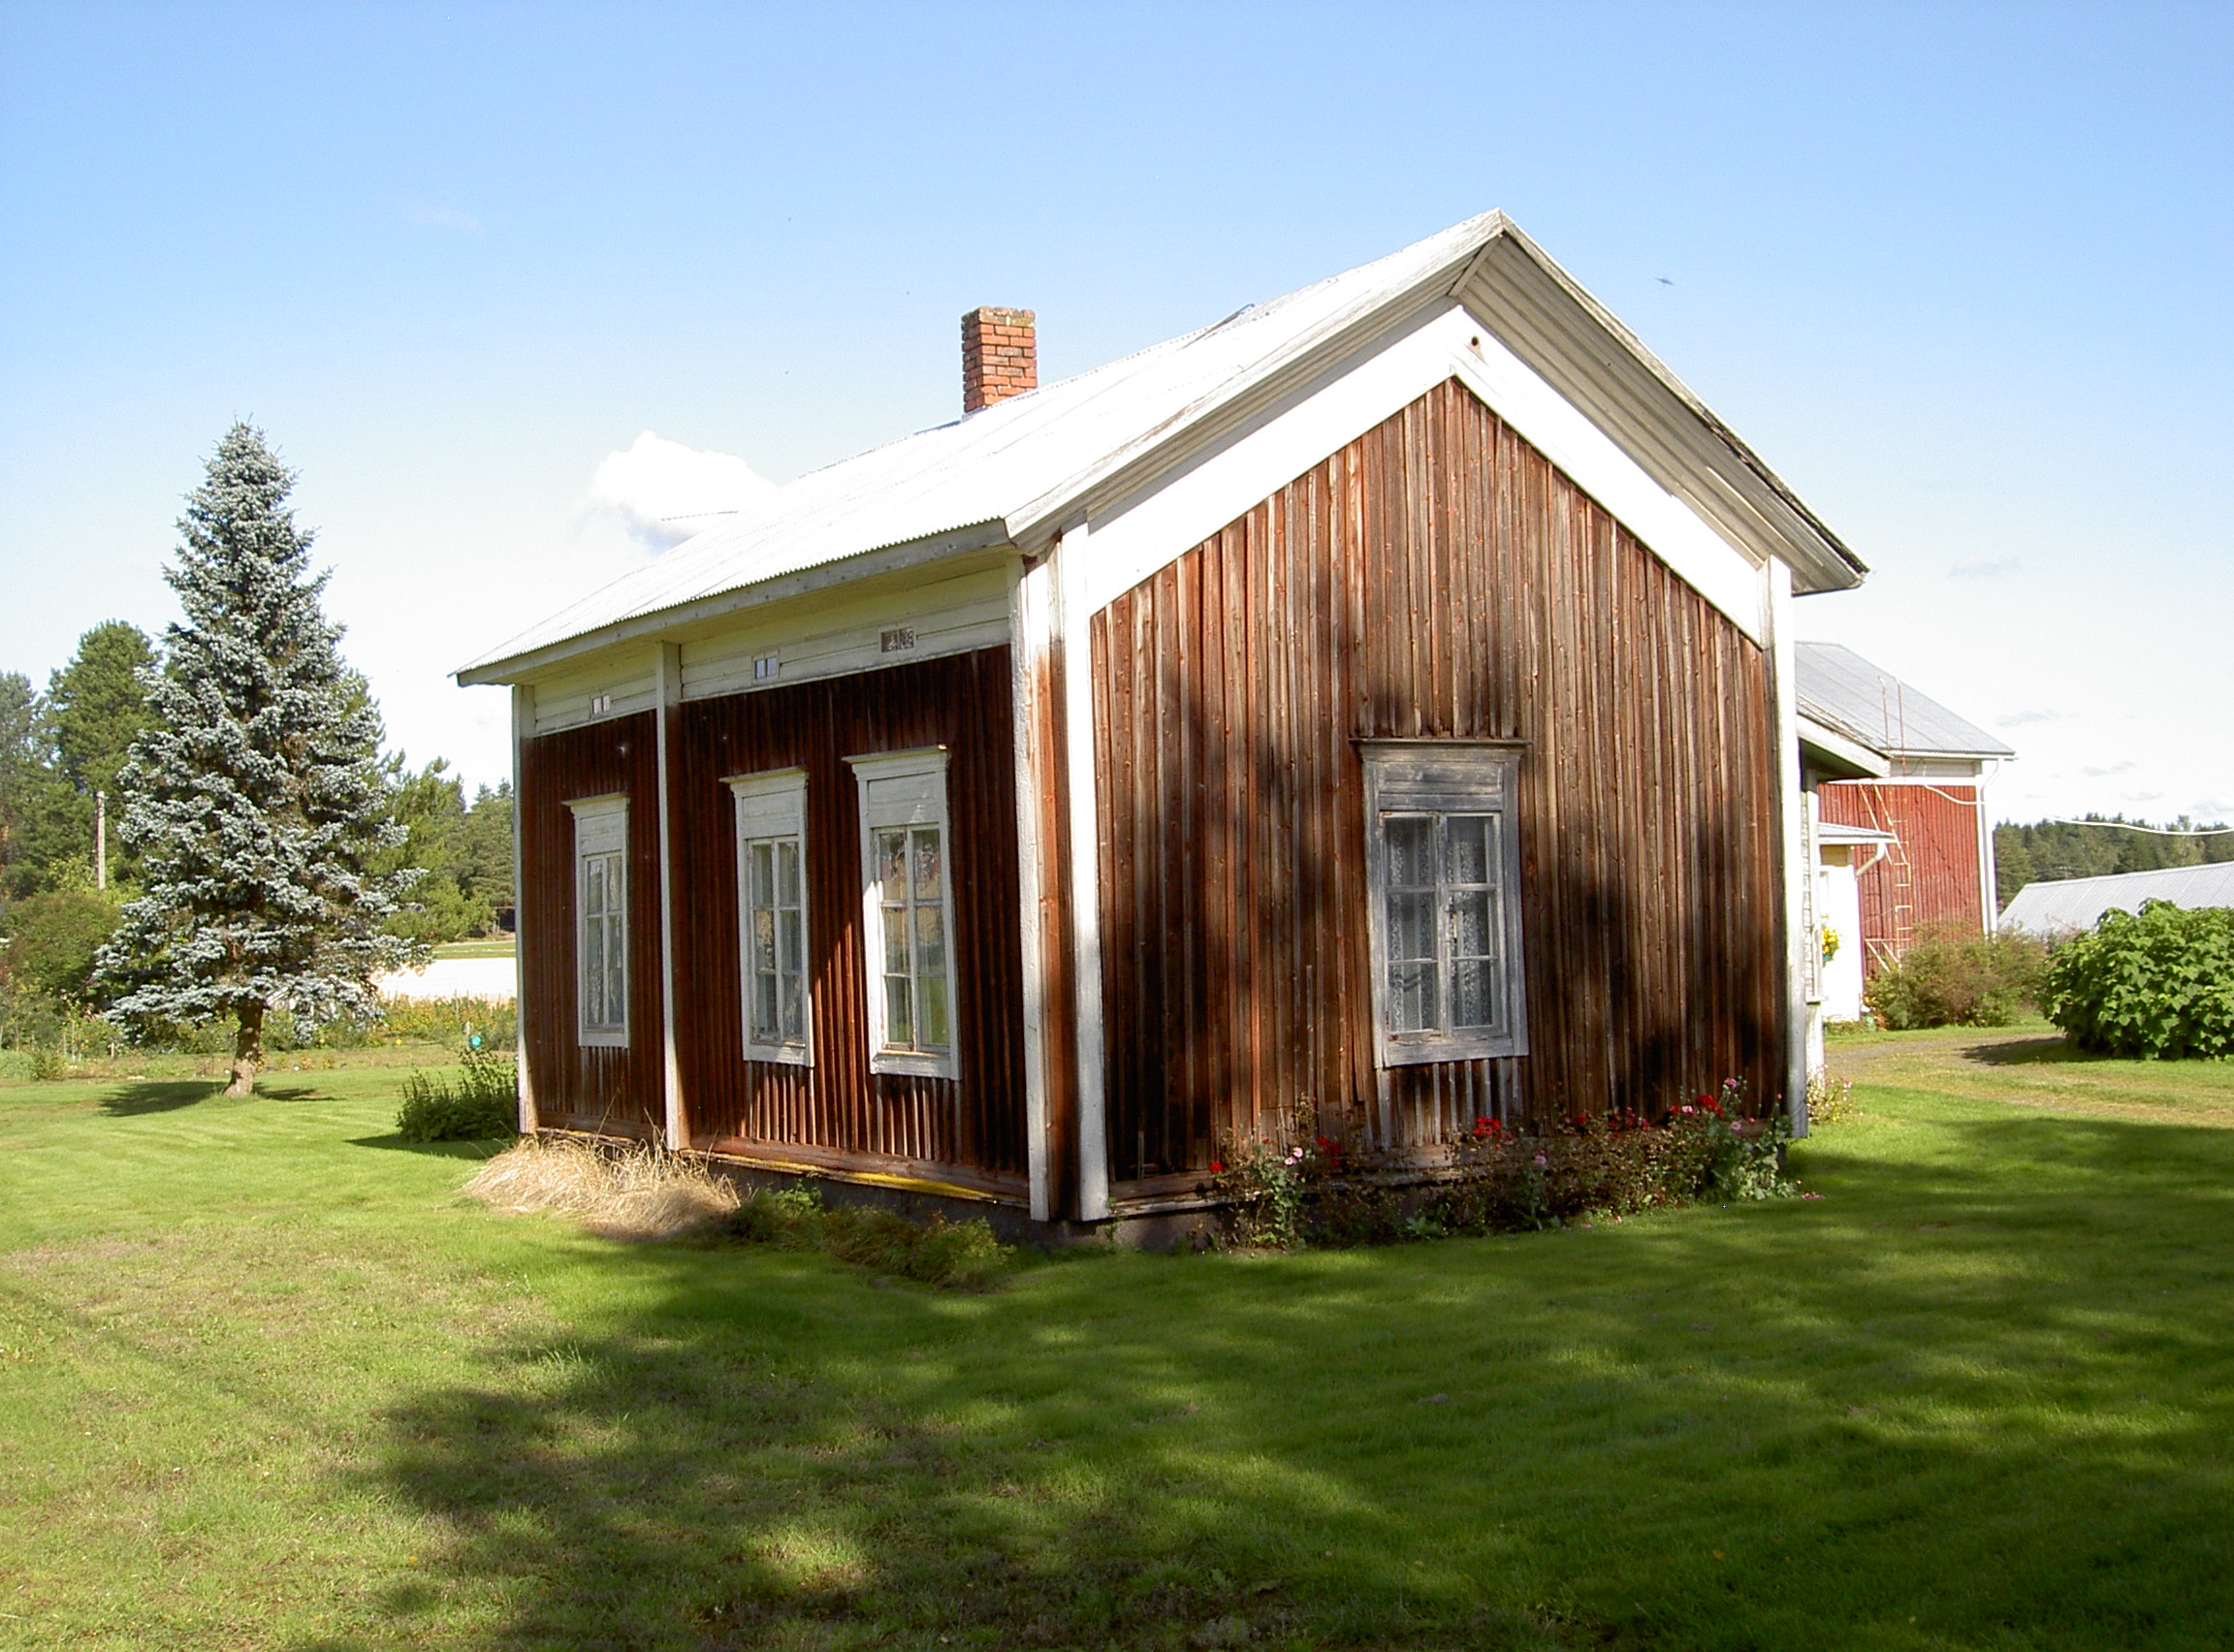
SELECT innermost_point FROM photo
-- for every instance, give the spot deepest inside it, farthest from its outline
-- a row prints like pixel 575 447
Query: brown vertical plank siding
pixel 1437 577
pixel 1931 880
pixel 837 1114
pixel 613 1091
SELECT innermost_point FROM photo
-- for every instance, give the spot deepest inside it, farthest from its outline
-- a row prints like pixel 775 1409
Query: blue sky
pixel 1960 274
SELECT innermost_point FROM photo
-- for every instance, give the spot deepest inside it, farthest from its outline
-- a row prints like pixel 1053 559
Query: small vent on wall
pixel 600 704
pixel 764 668
pixel 898 640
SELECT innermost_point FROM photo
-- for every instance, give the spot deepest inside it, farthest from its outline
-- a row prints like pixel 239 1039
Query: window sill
pixel 590 1040
pixel 1427 1052
pixel 912 1064
pixel 783 1055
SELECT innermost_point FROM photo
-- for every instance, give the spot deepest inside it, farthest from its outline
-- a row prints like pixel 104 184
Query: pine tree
pixel 255 800
pixel 92 712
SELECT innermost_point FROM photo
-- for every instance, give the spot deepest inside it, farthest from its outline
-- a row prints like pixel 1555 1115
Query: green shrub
pixel 961 1255
pixel 1951 979
pixel 482 1106
pixel 52 937
pixel 2158 985
pixel 495 1022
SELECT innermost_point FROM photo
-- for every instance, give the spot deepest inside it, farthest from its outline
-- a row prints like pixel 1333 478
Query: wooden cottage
pixel 1381 701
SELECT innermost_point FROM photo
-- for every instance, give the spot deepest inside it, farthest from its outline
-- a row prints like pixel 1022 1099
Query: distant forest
pixel 2055 849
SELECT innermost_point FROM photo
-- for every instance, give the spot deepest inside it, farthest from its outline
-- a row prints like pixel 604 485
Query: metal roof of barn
pixel 1015 471
pixel 2067 903
pixel 1867 703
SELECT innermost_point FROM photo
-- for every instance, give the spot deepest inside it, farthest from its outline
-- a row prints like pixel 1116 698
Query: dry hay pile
pixel 633 1192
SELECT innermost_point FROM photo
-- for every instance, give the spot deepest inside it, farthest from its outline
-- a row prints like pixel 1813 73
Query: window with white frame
pixel 601 919
pixel 907 912
pixel 1443 867
pixel 772 914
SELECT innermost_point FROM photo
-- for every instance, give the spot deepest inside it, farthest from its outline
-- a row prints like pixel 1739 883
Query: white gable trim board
pixel 1164 521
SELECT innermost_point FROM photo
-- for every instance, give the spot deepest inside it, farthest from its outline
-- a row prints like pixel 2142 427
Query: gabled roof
pixel 1869 704
pixel 1018 471
pixel 2079 902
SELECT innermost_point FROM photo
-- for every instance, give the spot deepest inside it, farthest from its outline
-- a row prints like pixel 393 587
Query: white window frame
pixel 600 833
pixel 902 789
pixel 772 809
pixel 1440 779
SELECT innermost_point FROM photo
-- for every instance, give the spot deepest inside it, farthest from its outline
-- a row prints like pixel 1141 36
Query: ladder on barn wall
pixel 1897 870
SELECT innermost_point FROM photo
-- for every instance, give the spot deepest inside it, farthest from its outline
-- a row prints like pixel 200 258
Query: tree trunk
pixel 247 1050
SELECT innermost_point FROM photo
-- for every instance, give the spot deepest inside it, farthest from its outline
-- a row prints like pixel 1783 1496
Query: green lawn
pixel 500 947
pixel 265 1382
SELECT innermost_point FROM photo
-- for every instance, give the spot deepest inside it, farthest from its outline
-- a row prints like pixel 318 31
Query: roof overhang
pixel 1839 757
pixel 665 622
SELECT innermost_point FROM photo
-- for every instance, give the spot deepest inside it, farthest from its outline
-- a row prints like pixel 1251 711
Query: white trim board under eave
pixel 1159 526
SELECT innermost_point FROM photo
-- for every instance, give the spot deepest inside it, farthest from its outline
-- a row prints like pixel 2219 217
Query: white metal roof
pixel 2068 904
pixel 1008 473
pixel 1867 703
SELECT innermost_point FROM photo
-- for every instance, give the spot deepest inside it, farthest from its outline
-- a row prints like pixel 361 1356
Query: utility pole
pixel 100 839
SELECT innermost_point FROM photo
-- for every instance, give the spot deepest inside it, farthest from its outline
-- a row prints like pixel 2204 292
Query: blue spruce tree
pixel 256 801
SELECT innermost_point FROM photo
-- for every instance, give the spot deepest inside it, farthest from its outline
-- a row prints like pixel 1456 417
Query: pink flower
pixel 1542 1162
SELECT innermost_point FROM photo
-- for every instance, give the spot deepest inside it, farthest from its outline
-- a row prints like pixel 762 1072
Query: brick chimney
pixel 999 357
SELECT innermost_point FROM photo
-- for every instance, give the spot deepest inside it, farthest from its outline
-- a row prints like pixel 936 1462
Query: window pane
pixel 892 864
pixel 933 1034
pixel 616 976
pixel 593 972
pixel 1411 998
pixel 927 863
pixel 1466 845
pixel 1411 925
pixel 593 887
pixel 794 1010
pixel 1471 934
pixel 1473 993
pixel 763 939
pixel 763 874
pixel 930 942
pixel 788 954
pixel 899 1028
pixel 787 872
pixel 764 1008
pixel 896 941
pixel 1411 851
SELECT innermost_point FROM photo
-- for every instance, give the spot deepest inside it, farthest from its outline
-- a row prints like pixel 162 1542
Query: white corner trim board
pixel 1073 555
pixel 1033 620
pixel 1157 527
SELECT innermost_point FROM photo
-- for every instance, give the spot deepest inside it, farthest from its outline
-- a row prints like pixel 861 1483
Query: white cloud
pixel 2125 767
pixel 2018 719
pixel 663 491
pixel 2000 568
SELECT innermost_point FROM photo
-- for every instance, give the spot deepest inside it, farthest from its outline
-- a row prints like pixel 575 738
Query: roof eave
pixel 531 663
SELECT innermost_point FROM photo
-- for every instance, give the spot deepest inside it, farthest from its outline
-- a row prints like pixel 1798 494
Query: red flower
pixel 1217 1168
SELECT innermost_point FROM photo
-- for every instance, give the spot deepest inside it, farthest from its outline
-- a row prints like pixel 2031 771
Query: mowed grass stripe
pixel 268 1383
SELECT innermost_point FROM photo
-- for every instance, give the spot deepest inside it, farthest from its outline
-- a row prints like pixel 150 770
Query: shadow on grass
pixel 2032 1052
pixel 1994 1383
pixel 394 1143
pixel 159 1097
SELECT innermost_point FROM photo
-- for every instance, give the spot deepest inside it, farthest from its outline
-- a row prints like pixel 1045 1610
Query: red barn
pixel 1380 702
pixel 1925 794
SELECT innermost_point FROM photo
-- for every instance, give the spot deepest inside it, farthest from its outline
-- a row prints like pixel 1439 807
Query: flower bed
pixel 1297 1188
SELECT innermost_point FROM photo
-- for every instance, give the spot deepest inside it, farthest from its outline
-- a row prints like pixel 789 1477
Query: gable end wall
pixel 1437 577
